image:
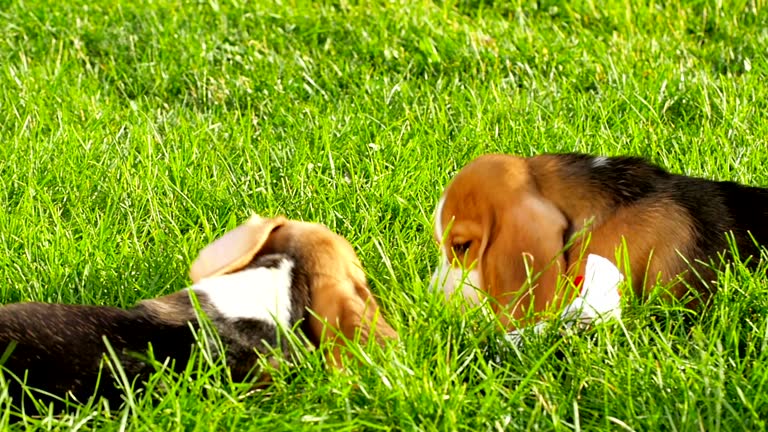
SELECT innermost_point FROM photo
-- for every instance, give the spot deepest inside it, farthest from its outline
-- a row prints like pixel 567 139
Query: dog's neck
pixel 568 191
pixel 261 292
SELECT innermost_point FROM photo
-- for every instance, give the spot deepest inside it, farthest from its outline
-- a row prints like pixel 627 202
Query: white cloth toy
pixel 598 300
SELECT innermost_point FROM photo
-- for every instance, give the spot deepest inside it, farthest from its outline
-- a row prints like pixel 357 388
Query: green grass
pixel 134 132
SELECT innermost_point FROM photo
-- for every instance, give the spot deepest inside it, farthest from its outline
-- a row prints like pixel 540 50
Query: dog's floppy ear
pixel 529 242
pixel 235 249
pixel 351 311
pixel 362 313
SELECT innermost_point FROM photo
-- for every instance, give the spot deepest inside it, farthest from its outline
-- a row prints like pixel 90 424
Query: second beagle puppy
pixel 505 222
pixel 267 272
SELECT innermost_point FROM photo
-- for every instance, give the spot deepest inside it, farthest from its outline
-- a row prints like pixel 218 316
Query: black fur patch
pixel 271 261
pixel 60 346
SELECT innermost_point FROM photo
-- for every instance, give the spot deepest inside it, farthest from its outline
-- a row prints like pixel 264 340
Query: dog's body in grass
pixel 517 217
pixel 264 275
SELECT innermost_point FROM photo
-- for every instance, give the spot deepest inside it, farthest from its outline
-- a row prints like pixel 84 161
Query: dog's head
pixel 496 231
pixel 340 300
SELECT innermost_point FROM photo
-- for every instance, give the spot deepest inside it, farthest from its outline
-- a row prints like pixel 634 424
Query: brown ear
pixel 350 310
pixel 363 314
pixel 235 249
pixel 524 258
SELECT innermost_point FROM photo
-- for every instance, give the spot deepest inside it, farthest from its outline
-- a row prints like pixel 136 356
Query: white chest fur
pixel 261 293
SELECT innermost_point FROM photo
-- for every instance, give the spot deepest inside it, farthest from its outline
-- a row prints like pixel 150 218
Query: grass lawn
pixel 135 132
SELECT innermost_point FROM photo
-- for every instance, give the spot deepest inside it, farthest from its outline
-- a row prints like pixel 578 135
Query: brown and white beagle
pixel 504 224
pixel 267 272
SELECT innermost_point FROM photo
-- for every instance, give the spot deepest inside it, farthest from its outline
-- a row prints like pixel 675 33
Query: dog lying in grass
pixel 507 228
pixel 266 273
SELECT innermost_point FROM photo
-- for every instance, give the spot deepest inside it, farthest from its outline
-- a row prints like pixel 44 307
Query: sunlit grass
pixel 136 132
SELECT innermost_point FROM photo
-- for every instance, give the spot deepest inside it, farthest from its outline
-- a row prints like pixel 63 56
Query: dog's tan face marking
pixel 338 287
pixel 457 270
pixel 494 218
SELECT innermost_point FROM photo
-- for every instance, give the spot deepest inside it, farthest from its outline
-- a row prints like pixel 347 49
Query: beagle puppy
pixel 514 229
pixel 264 274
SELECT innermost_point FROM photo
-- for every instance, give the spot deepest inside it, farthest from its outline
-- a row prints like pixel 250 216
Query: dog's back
pixel 715 208
pixel 62 350
pixel 748 206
